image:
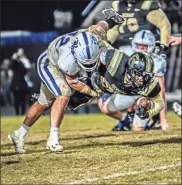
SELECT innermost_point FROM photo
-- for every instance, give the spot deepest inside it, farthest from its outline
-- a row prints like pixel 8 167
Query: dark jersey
pixel 137 17
pixel 114 80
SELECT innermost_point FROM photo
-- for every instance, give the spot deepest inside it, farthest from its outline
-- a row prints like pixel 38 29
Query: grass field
pixel 93 154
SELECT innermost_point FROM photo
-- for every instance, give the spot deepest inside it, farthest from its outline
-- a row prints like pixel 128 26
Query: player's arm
pixel 78 85
pixel 112 20
pixel 159 19
pixel 157 101
pixel 175 40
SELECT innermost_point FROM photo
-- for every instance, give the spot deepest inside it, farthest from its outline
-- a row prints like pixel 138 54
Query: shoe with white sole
pixel 177 108
pixel 54 145
pixel 18 142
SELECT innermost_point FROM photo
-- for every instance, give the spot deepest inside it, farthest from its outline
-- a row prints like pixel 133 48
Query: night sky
pixel 37 15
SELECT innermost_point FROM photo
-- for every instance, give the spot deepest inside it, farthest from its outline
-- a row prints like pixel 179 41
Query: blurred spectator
pixel 6 76
pixel 23 58
pixel 19 85
pixel 63 21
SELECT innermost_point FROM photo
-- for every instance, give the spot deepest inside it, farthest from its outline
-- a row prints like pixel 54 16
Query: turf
pixel 92 152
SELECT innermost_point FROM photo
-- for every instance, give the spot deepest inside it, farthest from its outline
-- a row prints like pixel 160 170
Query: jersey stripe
pixel 147 4
pixel 143 35
pixel 57 92
pixel 117 64
pixel 86 42
pixel 112 68
pixel 46 76
pixel 41 73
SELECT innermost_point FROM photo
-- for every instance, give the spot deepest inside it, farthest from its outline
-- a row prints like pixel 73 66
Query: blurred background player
pixel 144 41
pixel 173 41
pixel 139 15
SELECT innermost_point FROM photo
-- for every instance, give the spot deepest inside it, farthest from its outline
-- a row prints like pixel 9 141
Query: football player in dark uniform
pixel 139 15
pixel 129 77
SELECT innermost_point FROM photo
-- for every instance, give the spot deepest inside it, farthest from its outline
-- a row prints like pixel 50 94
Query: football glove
pixel 95 78
pixel 109 13
pixel 141 112
pixel 78 100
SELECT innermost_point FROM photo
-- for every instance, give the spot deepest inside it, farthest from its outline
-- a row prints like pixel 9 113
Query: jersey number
pixel 66 38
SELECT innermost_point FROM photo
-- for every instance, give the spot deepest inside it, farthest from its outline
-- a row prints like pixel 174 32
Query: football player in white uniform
pixel 174 41
pixel 67 58
pixel 144 41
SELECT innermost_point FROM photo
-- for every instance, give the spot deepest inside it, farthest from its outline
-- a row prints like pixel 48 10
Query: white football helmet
pixel 144 37
pixel 85 48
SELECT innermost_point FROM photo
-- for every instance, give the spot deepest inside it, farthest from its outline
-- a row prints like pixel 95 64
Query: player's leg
pixel 57 85
pixel 32 115
pixel 112 106
pixel 106 105
pixel 125 123
pixel 34 112
pixel 57 114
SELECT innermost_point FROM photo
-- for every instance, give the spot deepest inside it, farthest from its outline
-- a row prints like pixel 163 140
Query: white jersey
pixel 59 54
pixel 159 62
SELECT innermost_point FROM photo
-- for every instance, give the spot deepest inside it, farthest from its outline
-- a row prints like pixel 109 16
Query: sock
pixel 54 132
pixel 128 118
pixel 124 116
pixel 23 130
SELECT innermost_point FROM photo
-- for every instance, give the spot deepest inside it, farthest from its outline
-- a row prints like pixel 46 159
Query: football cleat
pixel 18 141
pixel 177 108
pixel 54 145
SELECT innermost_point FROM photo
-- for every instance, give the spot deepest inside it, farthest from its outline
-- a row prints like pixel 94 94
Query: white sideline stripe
pixel 115 175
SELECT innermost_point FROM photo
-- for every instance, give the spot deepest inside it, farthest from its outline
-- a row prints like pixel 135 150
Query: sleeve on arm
pixel 112 34
pixel 158 105
pixel 160 20
pixel 155 91
pixel 157 100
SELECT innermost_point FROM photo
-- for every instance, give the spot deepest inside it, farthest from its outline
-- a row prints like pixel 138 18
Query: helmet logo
pixel 94 40
pixel 75 43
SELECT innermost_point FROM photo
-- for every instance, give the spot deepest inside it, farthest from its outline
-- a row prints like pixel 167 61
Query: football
pixel 144 101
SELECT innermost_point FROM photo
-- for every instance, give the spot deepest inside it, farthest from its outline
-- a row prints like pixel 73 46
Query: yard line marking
pixel 127 173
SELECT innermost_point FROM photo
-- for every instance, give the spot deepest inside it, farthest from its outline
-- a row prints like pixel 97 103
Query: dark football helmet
pixel 139 71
